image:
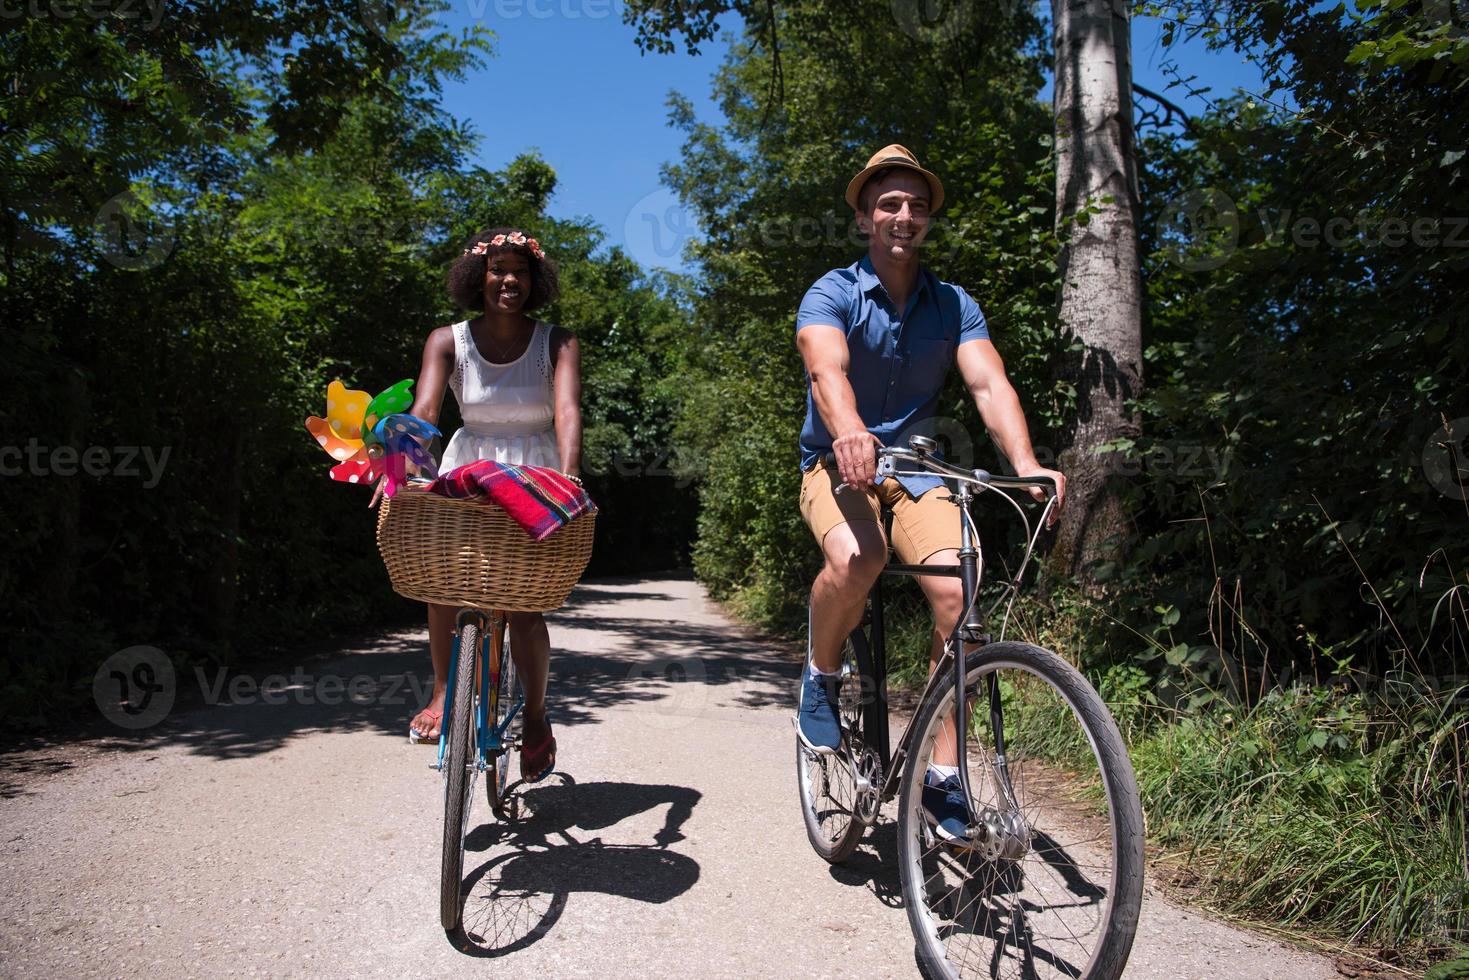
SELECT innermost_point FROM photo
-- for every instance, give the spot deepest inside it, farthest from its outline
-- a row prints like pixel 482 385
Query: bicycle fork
pixel 488 669
pixel 999 834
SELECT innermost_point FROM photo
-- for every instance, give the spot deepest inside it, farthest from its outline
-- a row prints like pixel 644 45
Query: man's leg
pixel 855 553
pixel 854 550
pixel 946 598
pixel 926 531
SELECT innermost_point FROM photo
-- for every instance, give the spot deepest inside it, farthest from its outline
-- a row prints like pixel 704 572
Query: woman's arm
pixel 566 356
pixel 433 377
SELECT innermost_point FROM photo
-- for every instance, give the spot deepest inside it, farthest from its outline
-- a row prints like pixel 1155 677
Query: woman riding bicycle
pixel 518 384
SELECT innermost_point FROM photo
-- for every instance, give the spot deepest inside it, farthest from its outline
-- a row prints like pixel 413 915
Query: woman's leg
pixel 530 645
pixel 440 645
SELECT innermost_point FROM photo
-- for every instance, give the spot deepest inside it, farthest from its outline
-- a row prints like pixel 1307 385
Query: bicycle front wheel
pixel 832 799
pixel 504 694
pixel 461 763
pixel 1050 882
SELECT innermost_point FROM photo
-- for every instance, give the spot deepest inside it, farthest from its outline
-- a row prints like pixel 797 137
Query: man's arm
pixel 999 406
pixel 824 349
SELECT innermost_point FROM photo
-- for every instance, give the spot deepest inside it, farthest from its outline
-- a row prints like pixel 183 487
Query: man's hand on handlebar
pixel 856 457
pixel 1040 495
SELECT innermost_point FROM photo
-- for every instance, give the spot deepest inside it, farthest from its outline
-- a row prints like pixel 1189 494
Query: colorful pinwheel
pixel 372 439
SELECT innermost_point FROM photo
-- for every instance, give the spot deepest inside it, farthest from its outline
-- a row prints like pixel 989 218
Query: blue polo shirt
pixel 899 359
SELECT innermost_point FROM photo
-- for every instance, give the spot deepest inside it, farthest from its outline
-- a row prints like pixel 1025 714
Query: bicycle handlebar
pixel 892 454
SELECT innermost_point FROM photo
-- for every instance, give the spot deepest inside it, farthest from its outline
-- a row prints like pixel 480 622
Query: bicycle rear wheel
pixel 461 764
pixel 504 688
pixel 832 803
pixel 1052 883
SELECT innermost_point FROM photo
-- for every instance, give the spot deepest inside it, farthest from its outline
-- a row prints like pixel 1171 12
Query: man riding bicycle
pixel 878 338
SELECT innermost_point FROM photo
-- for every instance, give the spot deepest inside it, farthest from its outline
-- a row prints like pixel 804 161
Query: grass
pixel 1360 834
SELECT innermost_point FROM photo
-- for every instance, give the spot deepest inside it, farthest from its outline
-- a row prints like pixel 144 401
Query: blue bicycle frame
pixel 488 738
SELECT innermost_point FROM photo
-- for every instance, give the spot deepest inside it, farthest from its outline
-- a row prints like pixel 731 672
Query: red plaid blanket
pixel 540 500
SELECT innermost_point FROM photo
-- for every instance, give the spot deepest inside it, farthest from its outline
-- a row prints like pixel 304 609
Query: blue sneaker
pixel 816 719
pixel 947 810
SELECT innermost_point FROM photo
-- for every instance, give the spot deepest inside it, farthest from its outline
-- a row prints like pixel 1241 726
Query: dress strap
pixel 461 355
pixel 544 343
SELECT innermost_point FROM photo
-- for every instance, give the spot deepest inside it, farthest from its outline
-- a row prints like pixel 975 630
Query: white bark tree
pixel 1101 291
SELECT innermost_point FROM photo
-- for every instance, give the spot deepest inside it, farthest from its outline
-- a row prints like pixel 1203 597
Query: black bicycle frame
pixel 970 630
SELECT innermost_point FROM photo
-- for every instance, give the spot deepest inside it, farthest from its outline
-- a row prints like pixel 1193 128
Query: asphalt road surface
pixel 287 828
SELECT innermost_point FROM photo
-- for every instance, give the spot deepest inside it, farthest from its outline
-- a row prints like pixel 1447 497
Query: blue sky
pixel 600 107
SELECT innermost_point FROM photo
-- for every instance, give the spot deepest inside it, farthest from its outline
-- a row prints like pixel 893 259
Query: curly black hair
pixel 466 280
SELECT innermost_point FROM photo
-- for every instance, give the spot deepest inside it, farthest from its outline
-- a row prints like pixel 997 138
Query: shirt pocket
pixel 929 359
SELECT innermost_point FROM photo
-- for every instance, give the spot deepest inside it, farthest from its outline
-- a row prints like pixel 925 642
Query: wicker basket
pixel 470 553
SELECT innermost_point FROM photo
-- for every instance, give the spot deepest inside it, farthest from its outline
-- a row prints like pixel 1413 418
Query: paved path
pixel 302 838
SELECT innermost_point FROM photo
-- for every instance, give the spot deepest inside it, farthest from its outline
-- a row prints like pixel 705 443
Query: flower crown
pixel 514 238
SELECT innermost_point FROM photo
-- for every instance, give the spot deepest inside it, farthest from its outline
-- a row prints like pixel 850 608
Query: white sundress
pixel 508 410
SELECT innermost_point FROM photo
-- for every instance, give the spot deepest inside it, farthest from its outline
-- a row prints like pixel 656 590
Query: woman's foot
pixel 537 750
pixel 426 724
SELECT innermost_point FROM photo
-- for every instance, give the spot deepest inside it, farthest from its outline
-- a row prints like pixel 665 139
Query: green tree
pixel 209 334
pixel 1303 332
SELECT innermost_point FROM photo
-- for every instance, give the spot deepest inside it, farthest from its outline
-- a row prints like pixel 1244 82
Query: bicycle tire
pixel 834 833
pixel 502 697
pixel 460 765
pixel 1058 860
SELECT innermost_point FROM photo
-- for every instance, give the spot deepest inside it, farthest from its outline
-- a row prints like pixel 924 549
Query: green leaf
pixel 1200 699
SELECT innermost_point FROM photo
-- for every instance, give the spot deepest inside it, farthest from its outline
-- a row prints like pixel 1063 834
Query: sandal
pixel 537 762
pixel 416 737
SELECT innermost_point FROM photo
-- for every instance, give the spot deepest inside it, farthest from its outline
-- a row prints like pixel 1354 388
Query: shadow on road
pixel 376 684
pixel 874 865
pixel 516 897
pixel 754 672
pixel 606 590
pixel 14 771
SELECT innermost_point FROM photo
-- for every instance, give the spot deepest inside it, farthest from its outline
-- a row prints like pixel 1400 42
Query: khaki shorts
pixel 921 527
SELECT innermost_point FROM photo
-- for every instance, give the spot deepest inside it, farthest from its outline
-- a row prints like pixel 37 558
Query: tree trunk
pixel 1101 304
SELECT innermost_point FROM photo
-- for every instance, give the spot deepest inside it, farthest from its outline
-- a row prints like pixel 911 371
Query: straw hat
pixel 895 156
